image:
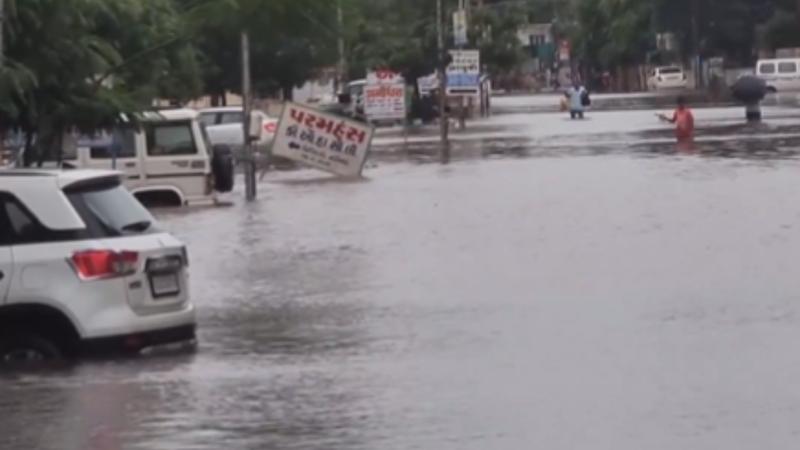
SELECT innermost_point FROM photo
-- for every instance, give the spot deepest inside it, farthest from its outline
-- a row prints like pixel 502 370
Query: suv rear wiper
pixel 139 227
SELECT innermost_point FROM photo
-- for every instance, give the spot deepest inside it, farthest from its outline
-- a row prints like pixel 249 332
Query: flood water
pixel 554 297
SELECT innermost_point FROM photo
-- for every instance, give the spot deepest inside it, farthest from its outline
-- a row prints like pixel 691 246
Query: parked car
pixel 670 77
pixel 225 126
pixel 83 267
pixel 168 159
pixel 780 74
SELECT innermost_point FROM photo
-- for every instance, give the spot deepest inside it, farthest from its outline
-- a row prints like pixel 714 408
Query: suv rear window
pixel 109 210
pixel 170 139
pixel 19 227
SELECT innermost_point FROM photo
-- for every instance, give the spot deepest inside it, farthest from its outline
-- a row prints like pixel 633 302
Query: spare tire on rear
pixel 222 168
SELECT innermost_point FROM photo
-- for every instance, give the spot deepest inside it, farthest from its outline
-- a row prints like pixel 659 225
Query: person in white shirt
pixel 575 95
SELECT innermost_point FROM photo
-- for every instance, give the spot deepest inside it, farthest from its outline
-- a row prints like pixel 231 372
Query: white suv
pixel 84 267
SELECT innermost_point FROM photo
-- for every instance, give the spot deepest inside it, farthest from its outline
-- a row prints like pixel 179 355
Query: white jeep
pixel 168 159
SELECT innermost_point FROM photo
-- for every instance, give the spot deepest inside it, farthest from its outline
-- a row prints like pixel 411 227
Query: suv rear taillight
pixel 103 264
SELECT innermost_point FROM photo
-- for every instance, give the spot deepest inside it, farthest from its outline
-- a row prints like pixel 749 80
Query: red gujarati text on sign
pixel 385 92
pixel 339 129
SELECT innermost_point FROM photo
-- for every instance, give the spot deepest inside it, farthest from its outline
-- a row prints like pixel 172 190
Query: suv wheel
pixel 27 348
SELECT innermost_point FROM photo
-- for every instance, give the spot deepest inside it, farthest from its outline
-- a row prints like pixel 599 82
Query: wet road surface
pixel 558 299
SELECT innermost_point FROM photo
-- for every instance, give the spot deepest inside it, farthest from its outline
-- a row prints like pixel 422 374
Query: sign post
pixel 323 141
pixel 460 37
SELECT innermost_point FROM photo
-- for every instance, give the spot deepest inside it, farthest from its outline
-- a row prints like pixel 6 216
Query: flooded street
pixel 562 285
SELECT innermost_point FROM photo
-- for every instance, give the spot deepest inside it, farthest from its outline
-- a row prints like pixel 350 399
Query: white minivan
pixel 166 159
pixel 780 74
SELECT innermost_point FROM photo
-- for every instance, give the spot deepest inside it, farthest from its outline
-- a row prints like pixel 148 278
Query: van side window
pixel 787 67
pixel 767 69
pixel 170 139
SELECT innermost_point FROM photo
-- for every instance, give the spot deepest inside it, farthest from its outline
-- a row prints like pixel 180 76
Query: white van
pixel 167 159
pixel 780 74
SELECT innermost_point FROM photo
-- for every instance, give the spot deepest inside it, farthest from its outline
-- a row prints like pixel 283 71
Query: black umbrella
pixel 749 89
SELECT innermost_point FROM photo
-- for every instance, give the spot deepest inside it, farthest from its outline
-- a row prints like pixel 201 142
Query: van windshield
pixel 669 70
pixel 109 210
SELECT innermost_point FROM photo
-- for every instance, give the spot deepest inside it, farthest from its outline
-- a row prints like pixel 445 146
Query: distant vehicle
pixel 780 74
pixel 224 126
pixel 169 159
pixel 669 77
pixel 355 90
pixel 84 266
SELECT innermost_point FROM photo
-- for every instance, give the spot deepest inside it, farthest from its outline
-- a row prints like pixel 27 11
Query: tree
pixel 290 41
pixel 70 65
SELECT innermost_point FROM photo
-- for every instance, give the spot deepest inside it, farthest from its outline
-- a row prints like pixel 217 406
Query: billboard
pixel 464 72
pixel 385 96
pixel 323 141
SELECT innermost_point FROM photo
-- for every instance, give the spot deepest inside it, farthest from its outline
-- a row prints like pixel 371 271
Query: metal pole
pixel 342 60
pixel 698 76
pixel 249 161
pixel 443 125
pixel 2 28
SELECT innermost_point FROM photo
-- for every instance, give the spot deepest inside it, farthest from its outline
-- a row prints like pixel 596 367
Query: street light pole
pixel 247 107
pixel 443 125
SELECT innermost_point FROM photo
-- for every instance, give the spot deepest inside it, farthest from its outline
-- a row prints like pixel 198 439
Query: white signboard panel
pixel 464 72
pixel 323 141
pixel 385 96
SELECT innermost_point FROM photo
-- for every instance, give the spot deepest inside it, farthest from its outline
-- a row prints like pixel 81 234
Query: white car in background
pixel 225 126
pixel 83 267
pixel 669 77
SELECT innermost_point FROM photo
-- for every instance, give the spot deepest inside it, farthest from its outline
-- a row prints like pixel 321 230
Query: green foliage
pixel 616 32
pixel 68 64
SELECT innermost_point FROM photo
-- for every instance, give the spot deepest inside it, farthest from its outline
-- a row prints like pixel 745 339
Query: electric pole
pixel 2 28
pixel 443 125
pixel 247 107
pixel 342 78
pixel 698 69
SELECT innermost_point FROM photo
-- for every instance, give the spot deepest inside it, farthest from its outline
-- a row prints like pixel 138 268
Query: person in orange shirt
pixel 683 120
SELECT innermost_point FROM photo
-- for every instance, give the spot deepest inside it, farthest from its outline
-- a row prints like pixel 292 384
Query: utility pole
pixel 247 107
pixel 443 125
pixel 2 28
pixel 342 78
pixel 698 74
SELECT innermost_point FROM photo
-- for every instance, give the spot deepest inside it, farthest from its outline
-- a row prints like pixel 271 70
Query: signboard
pixel 428 84
pixel 323 141
pixel 564 51
pixel 464 73
pixel 460 28
pixel 385 96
